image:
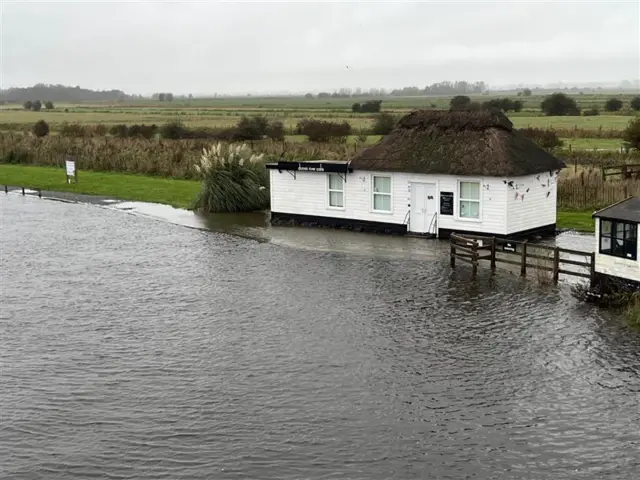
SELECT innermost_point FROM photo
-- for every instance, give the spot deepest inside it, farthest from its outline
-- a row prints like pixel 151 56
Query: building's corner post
pixel 592 270
pixel 453 252
pixel 474 257
pixel 493 254
pixel 523 259
pixel 556 264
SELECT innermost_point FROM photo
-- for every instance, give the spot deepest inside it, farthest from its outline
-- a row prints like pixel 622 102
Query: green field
pixel 178 193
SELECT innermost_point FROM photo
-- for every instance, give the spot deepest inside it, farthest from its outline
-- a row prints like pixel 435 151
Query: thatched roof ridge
pixel 458 142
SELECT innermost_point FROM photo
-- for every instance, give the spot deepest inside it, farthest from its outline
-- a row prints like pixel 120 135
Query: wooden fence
pixel 625 171
pixel 519 253
pixel 574 195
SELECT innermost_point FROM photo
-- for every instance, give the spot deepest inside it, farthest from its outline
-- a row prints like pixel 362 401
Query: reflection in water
pixel 134 348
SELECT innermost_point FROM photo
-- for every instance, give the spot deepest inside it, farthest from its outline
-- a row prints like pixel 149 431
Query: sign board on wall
pixel 70 167
pixel 446 203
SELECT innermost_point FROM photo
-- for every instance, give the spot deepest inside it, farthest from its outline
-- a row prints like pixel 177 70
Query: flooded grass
pixel 143 188
pixel 578 221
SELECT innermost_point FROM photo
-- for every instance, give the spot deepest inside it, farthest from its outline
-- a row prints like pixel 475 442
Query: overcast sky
pixel 216 47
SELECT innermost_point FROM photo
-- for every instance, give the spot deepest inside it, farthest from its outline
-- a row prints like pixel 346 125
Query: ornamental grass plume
pixel 234 179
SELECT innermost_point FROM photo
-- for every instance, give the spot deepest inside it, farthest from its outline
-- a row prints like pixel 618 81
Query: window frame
pixel 633 241
pixel 374 193
pixel 460 199
pixel 329 190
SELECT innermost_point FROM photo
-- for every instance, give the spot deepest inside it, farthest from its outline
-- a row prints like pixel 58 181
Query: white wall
pixel 615 266
pixel 536 201
pixel 500 213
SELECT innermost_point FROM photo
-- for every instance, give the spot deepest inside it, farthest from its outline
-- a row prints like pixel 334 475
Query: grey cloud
pixel 228 47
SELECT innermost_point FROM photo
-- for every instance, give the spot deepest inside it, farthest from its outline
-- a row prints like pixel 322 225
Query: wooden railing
pixel 472 249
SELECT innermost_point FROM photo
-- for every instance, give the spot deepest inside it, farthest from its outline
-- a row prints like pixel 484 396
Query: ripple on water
pixel 136 349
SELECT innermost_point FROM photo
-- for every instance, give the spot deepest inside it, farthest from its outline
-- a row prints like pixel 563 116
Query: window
pixel 336 191
pixel 619 239
pixel 381 194
pixel 469 193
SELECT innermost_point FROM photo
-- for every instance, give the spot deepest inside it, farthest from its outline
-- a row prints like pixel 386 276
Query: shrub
pixel 100 129
pixel 48 105
pixel 613 105
pixel 460 102
pixel 559 104
pixel 504 104
pixel 635 103
pixel 173 131
pixel 36 106
pixel 27 105
pixel 527 92
pixel 545 138
pixel 252 128
pixel 383 124
pixel 323 131
pixel 41 128
pixel 233 180
pixel 275 131
pixel 370 106
pixel 631 134
pixel 142 131
pixel 73 130
pixel 591 112
pixel 120 131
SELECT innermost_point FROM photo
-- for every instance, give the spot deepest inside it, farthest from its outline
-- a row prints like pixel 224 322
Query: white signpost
pixel 72 173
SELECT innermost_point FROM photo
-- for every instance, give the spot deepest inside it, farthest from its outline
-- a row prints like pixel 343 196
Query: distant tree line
pixel 556 104
pixel 463 102
pixel 62 93
pixel 163 97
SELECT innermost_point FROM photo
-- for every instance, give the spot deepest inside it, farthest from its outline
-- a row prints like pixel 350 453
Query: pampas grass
pixel 234 179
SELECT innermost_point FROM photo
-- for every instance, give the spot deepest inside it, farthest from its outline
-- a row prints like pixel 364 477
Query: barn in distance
pixel 436 173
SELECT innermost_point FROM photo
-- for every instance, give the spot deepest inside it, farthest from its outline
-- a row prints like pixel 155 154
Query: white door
pixel 424 208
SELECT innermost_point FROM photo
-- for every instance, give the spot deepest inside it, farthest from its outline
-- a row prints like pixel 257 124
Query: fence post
pixel 556 264
pixel 474 257
pixel 453 252
pixel 22 190
pixel 6 189
pixel 523 259
pixel 592 270
pixel 493 254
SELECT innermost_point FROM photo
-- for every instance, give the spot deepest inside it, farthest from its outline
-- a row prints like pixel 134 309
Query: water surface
pixel 137 348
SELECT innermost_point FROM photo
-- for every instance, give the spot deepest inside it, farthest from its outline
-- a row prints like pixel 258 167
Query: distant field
pixel 585 100
pixel 212 117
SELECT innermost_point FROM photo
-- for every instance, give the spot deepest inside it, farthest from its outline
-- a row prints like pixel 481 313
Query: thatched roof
pixel 458 142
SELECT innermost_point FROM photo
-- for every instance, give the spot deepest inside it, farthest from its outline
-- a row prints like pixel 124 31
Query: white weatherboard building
pixel 616 253
pixel 436 173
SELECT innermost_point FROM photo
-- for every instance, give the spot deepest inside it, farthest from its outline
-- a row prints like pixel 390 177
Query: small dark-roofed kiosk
pixel 616 254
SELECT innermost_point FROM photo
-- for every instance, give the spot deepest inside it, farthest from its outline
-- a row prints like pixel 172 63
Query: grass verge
pixel 578 221
pixel 124 186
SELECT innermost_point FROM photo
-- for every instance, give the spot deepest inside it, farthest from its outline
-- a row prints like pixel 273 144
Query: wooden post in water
pixel 592 270
pixel 22 190
pixel 453 252
pixel 6 189
pixel 493 254
pixel 474 257
pixel 523 259
pixel 556 264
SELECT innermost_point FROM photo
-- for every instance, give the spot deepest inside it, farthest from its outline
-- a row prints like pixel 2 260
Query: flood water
pixel 138 348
